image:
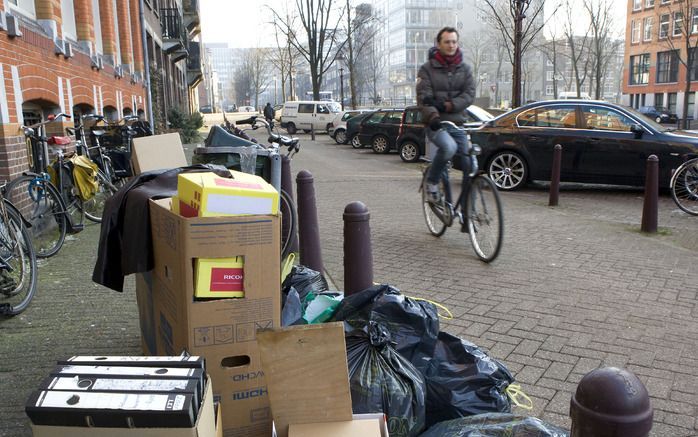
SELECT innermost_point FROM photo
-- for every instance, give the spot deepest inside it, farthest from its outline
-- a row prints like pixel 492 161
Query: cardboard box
pixel 209 195
pixel 157 152
pixel 221 330
pixel 312 406
pixel 206 426
pixel 219 277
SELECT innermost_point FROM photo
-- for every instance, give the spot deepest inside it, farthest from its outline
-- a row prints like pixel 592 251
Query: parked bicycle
pixel 684 186
pixel 18 274
pixel 109 144
pixel 226 146
pixel 52 210
pixel 479 210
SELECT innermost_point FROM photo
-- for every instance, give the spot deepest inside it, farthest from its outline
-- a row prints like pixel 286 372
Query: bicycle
pixel 479 210
pixel 684 186
pixel 18 274
pixel 53 210
pixel 110 145
pixel 222 137
pixel 105 188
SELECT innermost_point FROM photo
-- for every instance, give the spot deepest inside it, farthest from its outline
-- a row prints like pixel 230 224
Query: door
pixel 390 126
pixel 323 116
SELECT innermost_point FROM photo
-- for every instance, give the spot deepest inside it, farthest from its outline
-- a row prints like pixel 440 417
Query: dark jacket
pixel 436 83
pixel 269 112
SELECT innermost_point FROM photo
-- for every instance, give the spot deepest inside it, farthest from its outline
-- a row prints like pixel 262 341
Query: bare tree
pixel 361 30
pixel 683 46
pixel 475 52
pixel 252 77
pixel 317 41
pixel 376 63
pixel 577 46
pixel 603 44
pixel 551 50
pixel 284 57
pixel 519 22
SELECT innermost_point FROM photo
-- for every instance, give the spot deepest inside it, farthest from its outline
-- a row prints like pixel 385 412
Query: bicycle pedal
pixel 74 229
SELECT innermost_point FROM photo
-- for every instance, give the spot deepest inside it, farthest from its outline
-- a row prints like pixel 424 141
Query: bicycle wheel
pixel 39 202
pixel 684 186
pixel 289 223
pixel 438 216
pixel 73 202
pixel 95 206
pixel 485 219
pixel 17 264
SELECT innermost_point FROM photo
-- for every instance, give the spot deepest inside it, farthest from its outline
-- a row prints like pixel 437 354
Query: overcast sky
pixel 243 23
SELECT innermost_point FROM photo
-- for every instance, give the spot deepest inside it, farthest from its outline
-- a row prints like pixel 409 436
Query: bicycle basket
pixel 121 162
pixel 231 160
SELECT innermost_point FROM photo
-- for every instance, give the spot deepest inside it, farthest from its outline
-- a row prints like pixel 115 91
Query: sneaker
pixel 433 193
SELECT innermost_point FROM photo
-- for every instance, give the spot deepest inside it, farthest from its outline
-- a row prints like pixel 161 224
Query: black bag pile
pixel 459 378
pixel 495 425
pixel 300 287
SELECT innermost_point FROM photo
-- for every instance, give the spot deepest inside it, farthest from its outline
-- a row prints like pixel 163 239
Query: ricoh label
pixel 250 393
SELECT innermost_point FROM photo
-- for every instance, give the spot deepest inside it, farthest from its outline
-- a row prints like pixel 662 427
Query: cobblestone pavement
pixel 575 287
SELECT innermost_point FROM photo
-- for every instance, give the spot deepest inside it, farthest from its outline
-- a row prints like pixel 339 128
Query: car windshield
pixel 480 113
pixel 334 106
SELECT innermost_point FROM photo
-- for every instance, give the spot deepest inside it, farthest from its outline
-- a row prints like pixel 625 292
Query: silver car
pixel 338 130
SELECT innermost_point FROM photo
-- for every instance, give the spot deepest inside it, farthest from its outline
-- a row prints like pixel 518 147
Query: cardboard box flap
pixel 307 375
pixel 353 428
pixel 157 152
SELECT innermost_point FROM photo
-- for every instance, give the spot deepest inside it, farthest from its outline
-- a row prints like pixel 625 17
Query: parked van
pixel 569 95
pixel 308 114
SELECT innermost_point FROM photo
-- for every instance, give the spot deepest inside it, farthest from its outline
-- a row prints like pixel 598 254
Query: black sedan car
pixel 353 127
pixel 601 143
pixel 659 114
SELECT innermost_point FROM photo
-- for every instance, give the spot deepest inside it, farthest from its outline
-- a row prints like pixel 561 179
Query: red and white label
pixel 227 279
pixel 237 184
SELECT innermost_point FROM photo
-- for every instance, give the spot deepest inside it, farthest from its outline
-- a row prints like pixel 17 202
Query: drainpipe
pixel 146 64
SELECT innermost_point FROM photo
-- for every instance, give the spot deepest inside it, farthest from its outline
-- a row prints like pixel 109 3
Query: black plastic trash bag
pixel 462 380
pixel 304 280
pixel 413 324
pixel 382 381
pixel 292 312
pixel 495 425
pixel 313 308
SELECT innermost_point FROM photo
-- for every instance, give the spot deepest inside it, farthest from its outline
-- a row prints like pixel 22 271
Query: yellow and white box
pixel 219 277
pixel 209 195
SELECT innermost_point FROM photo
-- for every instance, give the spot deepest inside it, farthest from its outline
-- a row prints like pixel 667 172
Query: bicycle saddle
pixel 98 132
pixel 58 140
pixel 218 137
pixel 284 141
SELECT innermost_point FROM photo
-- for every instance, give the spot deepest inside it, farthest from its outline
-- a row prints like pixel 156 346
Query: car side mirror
pixel 636 129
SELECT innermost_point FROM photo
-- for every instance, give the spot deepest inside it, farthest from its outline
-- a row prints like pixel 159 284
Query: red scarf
pixel 449 61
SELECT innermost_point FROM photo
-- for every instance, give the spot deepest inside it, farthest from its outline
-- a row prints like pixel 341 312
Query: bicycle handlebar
pixel 50 120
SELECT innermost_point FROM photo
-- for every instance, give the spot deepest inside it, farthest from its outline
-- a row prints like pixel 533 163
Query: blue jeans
pixel 447 145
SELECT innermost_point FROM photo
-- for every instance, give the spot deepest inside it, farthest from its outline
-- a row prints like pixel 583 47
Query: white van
pixel 308 114
pixel 569 95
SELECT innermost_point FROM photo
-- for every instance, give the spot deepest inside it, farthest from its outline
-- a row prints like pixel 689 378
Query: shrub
pixel 187 125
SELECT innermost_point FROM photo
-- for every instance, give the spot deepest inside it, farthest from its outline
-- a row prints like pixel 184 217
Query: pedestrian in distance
pixel 445 88
pixel 269 114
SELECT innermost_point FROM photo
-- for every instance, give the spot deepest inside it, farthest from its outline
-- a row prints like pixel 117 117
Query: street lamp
pixel 341 86
pixel 520 8
pixel 416 63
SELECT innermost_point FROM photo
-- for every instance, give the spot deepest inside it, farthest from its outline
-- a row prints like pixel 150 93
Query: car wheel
pixel 409 151
pixel 291 128
pixel 356 143
pixel 380 144
pixel 658 119
pixel 340 136
pixel 508 170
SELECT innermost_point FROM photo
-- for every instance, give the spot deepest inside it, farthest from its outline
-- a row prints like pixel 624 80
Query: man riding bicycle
pixel 445 87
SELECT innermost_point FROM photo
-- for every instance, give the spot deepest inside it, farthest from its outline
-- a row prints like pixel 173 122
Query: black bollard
pixel 649 206
pixel 610 402
pixel 287 186
pixel 555 176
pixel 308 229
pixel 358 258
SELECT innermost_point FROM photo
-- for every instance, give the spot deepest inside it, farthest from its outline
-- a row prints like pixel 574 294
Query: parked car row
pixel 602 142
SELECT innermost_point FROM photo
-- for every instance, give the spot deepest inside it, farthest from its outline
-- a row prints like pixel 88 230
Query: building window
pixel 635 31
pixel 68 14
pixel 23 6
pixel 678 23
pixel 549 75
pixel 663 26
pixel 691 104
pixel 667 66
pixel 549 90
pixel 98 26
pixel 659 100
pixel 648 29
pixel 665 2
pixel 637 5
pixel 694 20
pixel 693 62
pixel 672 102
pixel 639 69
pixel 649 3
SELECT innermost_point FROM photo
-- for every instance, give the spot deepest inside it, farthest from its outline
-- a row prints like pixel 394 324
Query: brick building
pixel 654 44
pixel 72 56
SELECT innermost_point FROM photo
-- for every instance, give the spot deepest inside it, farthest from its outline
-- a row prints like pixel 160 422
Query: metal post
pixel 649 206
pixel 555 176
pixel 287 186
pixel 146 65
pixel 611 402
pixel 308 229
pixel 358 258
